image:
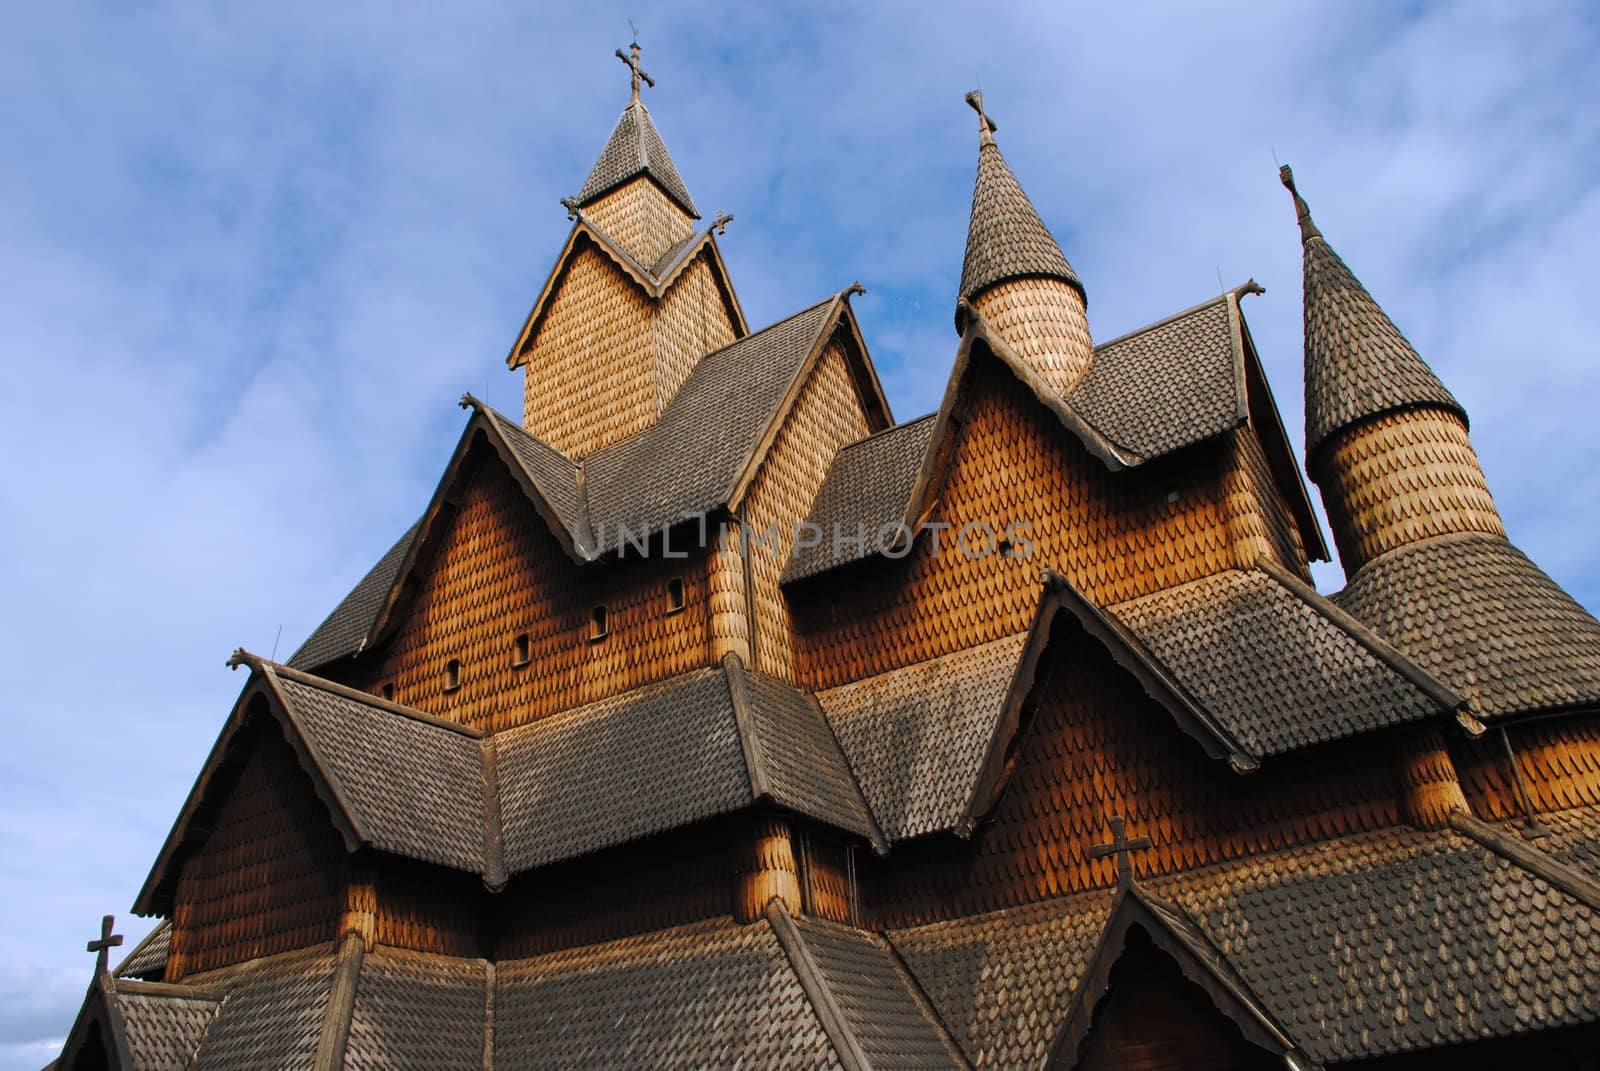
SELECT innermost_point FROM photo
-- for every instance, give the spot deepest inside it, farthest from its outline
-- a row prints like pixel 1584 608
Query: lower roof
pixel 1475 612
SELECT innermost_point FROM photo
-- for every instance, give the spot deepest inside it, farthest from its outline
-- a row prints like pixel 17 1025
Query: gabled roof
pixel 1474 611
pixel 1006 239
pixel 1358 364
pixel 1176 383
pixel 391 778
pixel 666 755
pixel 697 458
pixel 1345 949
pixel 654 279
pixel 148 960
pixel 139 1026
pixel 634 149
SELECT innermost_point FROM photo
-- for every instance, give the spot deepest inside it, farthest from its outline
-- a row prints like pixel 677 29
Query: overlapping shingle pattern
pixel 1006 239
pixel 1273 671
pixel 1476 613
pixel 343 631
pixel 1398 940
pixel 1358 364
pixel 916 737
pixel 1004 982
pixel 887 1020
pixel 415 1010
pixel 272 1015
pixel 163 1031
pixel 678 470
pixel 684 465
pixel 866 491
pixel 646 761
pixel 414 787
pixel 710 994
pixel 665 756
pixel 635 148
pixel 1164 387
pixel 149 957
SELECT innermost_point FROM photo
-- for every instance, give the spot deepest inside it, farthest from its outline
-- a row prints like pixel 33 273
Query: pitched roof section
pixel 1168 386
pixel 273 1013
pixel 666 755
pixel 419 1011
pixel 1006 239
pixel 916 737
pixel 1003 982
pixel 148 960
pixel 635 149
pixel 345 630
pixel 1476 613
pixel 1276 665
pixel 1368 945
pixel 710 994
pixel 392 778
pixel 1357 363
pixel 866 492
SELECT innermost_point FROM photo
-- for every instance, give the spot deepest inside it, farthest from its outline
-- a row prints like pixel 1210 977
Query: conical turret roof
pixel 1358 364
pixel 635 149
pixel 1006 238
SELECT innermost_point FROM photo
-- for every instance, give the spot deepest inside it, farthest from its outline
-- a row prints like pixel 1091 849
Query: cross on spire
pixel 986 127
pixel 107 941
pixel 631 58
pixel 1120 846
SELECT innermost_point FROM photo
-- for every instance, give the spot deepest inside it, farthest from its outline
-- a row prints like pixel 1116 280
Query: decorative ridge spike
pixel 1357 363
pixel 1006 238
pixel 1308 229
pixel 986 126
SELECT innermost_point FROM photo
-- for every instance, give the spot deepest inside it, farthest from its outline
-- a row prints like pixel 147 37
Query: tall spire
pixel 1386 443
pixel 1358 364
pixel 1014 274
pixel 1006 238
pixel 635 149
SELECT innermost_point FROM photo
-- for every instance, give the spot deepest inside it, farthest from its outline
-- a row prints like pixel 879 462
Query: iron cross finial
pixel 720 224
pixel 631 58
pixel 986 127
pixel 107 941
pixel 1120 846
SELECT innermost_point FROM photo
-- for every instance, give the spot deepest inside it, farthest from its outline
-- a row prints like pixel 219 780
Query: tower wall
pixel 1044 320
pixel 1402 476
pixel 641 219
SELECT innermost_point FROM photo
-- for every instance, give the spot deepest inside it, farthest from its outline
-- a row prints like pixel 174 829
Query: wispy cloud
pixel 252 259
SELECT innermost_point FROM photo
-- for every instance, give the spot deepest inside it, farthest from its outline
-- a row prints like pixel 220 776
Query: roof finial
pixel 107 941
pixel 631 58
pixel 1308 229
pixel 986 127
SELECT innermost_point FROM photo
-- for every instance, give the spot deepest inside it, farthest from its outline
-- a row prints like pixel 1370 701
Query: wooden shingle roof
pixel 634 149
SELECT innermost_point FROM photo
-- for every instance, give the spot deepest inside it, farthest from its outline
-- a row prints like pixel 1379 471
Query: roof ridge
pixel 311 680
pixel 814 982
pixel 903 425
pixel 1164 321
pixel 340 1010
pixel 1534 860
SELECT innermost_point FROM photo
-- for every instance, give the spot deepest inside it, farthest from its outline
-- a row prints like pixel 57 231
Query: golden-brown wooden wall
pixel 270 876
pixel 826 415
pixel 1401 477
pixel 641 219
pixel 1560 762
pixel 1115 535
pixel 498 573
pixel 1259 518
pixel 589 377
pixel 691 321
pixel 1099 746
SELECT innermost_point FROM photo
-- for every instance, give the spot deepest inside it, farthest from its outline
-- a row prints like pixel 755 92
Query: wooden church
pixel 708 717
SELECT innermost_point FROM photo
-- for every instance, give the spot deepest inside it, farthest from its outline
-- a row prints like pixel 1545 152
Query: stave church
pixel 707 716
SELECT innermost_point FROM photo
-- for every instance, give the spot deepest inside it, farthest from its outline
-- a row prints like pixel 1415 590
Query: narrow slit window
pixel 452 675
pixel 388 692
pixel 674 595
pixel 521 650
pixel 598 624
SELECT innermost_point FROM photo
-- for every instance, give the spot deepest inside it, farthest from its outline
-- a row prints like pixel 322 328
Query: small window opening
pixel 452 675
pixel 388 692
pixel 674 595
pixel 521 650
pixel 1006 549
pixel 597 624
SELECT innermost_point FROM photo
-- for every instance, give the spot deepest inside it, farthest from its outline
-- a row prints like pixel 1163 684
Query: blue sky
pixel 251 259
